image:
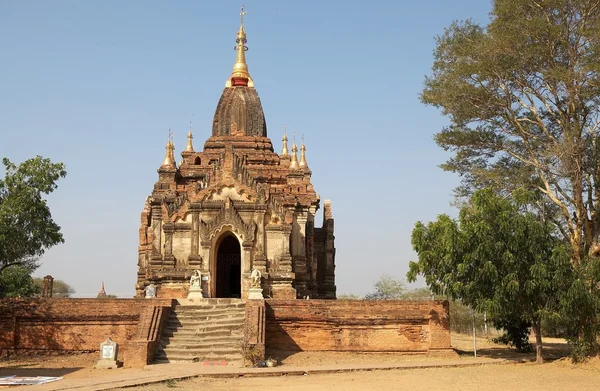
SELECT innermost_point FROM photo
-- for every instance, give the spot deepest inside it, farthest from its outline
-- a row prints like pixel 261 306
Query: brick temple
pixel 236 206
pixel 233 209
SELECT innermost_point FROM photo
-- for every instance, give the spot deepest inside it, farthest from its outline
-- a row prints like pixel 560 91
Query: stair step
pixel 206 334
pixel 234 343
pixel 210 331
pixel 211 305
pixel 201 333
pixel 205 324
pixel 229 358
pixel 207 317
pixel 207 314
pixel 192 339
pixel 221 301
pixel 203 351
pixel 179 309
pixel 204 339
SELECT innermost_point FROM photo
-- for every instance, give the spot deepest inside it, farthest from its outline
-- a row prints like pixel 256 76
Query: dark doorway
pixel 229 268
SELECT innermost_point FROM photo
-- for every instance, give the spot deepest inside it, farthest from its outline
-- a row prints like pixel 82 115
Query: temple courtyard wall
pixel 67 325
pixel 416 326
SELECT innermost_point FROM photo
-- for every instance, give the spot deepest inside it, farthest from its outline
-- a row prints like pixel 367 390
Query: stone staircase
pixel 209 331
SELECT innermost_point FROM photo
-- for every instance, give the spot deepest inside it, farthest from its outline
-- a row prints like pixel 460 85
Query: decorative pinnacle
pixel 190 147
pixel 242 13
pixel 239 75
pixel 169 156
pixel 284 152
pixel 172 148
pixel 294 163
pixel 303 154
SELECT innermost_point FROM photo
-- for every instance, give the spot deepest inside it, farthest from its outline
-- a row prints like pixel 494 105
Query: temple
pixel 234 207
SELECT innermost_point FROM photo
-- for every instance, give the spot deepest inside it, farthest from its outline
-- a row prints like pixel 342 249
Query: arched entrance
pixel 229 268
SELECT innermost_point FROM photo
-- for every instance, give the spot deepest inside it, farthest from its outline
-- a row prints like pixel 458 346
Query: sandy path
pixel 530 377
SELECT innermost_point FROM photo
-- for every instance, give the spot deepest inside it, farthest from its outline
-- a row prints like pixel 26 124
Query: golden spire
pixel 239 75
pixel 285 152
pixel 190 147
pixel 172 148
pixel 294 162
pixel 169 156
pixel 303 154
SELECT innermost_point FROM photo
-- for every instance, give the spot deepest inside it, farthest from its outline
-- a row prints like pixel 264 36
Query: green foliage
pixel 522 95
pixel 26 225
pixel 387 288
pixel 516 333
pixel 581 310
pixel 349 296
pixel 497 258
pixel 59 287
pixel 16 281
pixel 461 318
pixel 418 294
pixel 554 327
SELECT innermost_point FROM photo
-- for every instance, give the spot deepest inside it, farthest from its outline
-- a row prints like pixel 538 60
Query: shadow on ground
pixel 20 371
pixel 551 352
pixel 46 365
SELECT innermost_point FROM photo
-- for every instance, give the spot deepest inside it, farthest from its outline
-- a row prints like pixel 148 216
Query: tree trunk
pixel 575 241
pixel 537 329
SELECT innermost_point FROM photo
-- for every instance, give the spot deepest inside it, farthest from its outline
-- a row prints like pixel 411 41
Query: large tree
pixel 387 288
pixel 498 258
pixel 26 225
pixel 59 287
pixel 16 281
pixel 523 98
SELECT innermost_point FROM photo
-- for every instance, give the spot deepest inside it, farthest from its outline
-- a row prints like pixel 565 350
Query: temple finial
pixel 172 148
pixel 239 75
pixel 294 163
pixel 242 13
pixel 302 154
pixel 284 151
pixel 190 146
pixel 169 156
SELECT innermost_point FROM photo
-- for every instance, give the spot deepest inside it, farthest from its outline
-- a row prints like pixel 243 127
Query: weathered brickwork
pixel 288 325
pixel 358 325
pixel 255 328
pixel 239 187
pixel 82 324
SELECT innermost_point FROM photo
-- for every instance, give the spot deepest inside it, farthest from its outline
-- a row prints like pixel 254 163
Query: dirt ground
pixel 530 377
pixel 558 374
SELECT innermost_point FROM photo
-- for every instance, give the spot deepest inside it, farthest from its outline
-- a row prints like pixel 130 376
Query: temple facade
pixel 234 207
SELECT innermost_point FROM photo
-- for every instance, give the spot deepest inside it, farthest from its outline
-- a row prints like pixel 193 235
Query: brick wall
pixel 292 325
pixel 82 324
pixel 254 330
pixel 357 325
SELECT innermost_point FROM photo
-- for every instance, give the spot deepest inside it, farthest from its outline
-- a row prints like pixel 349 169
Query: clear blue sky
pixel 97 85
